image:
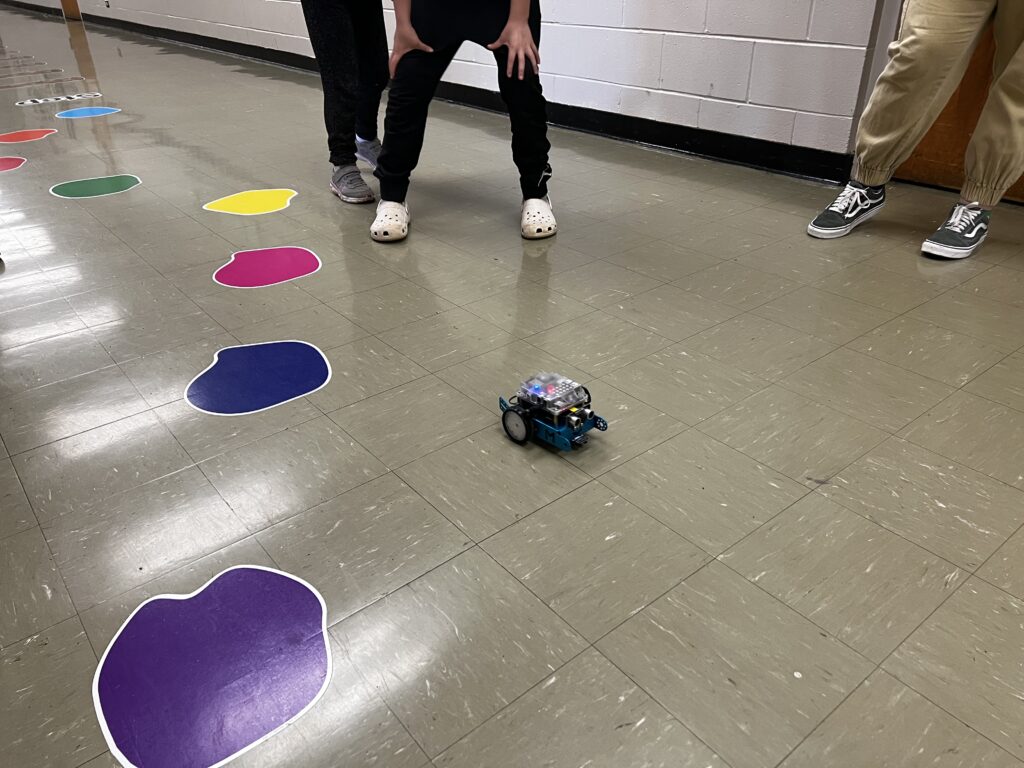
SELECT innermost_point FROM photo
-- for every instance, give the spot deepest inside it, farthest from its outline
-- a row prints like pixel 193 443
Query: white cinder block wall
pixel 788 71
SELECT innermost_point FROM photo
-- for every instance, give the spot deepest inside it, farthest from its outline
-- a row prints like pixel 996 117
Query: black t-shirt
pixel 440 23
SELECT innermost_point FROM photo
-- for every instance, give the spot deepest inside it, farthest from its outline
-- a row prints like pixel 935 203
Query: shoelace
pixel 964 216
pixel 848 197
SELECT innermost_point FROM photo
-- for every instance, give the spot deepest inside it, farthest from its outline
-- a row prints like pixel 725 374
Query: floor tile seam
pixel 20 393
pixel 832 634
pixel 956 387
pixel 60 574
pixel 324 267
pixel 977 571
pixel 605 260
pixel 147 409
pixel 782 384
pixel 875 666
pixel 946 711
pixel 517 335
pixel 147 316
pixel 960 288
pixel 966 569
pixel 1004 348
pixel 137 247
pixel 603 311
pixel 767 383
pixel 800 481
pixel 51 335
pixel 133 315
pixel 334 627
pixel 265 527
pixel 895 675
pixel 899 313
pixel 454 308
pixel 547 673
pixel 317 415
pixel 972 393
pixel 595 645
pixel 742 311
pixel 934 450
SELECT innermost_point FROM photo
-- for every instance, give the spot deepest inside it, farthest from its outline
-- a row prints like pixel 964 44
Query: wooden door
pixel 939 158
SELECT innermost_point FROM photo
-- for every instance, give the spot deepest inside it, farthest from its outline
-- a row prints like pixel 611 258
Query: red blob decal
pixel 35 134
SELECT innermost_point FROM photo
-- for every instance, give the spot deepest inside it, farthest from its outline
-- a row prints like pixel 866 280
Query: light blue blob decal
pixel 75 114
pixel 254 377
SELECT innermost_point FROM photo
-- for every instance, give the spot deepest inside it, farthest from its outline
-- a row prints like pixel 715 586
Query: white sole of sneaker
pixel 833 234
pixel 349 199
pixel 949 252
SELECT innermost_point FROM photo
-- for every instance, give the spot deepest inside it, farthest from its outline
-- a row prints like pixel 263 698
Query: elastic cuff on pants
pixel 536 187
pixel 985 195
pixel 870 177
pixel 394 191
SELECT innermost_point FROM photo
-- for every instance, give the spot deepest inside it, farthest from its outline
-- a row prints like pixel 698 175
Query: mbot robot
pixel 551 408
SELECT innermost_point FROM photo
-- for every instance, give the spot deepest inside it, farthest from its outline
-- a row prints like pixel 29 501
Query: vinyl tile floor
pixel 799 544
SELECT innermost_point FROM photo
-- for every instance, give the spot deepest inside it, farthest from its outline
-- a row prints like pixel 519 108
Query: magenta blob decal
pixel 11 163
pixel 267 266
pixel 193 681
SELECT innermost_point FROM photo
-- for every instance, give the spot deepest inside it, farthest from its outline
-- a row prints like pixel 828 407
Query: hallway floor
pixel 799 544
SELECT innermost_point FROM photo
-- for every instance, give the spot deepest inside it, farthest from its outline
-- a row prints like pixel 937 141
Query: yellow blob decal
pixel 253 202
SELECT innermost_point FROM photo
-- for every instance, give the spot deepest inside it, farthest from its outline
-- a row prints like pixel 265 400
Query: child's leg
pixel 413 87
pixel 371 43
pixel 527 111
pixel 331 35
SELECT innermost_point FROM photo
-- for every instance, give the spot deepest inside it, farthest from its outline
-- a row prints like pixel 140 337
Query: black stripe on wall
pixel 756 153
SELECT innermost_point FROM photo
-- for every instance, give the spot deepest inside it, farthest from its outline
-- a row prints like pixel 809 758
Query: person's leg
pixel 936 42
pixel 995 155
pixel 527 111
pixel 937 38
pixel 331 35
pixel 416 79
pixel 371 50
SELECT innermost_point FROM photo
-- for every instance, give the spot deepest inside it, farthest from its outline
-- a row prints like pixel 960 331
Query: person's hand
pixel 521 48
pixel 406 40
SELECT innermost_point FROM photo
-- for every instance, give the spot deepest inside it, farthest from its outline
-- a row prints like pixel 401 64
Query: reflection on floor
pixel 798 544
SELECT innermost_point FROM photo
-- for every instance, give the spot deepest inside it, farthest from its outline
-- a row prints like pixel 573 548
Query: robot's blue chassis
pixel 564 438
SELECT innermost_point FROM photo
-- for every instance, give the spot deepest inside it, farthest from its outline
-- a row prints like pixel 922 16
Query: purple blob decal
pixel 267 266
pixel 193 681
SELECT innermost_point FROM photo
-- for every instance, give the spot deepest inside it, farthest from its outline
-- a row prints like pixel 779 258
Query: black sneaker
pixel 963 232
pixel 855 205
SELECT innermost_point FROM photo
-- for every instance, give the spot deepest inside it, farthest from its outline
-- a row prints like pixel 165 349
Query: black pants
pixel 416 80
pixel 351 49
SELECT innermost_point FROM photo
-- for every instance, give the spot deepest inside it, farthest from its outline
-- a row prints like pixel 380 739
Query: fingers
pixel 424 47
pixel 521 58
pixel 531 55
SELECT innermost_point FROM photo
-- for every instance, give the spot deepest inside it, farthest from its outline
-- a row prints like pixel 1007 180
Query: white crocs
pixel 538 219
pixel 392 222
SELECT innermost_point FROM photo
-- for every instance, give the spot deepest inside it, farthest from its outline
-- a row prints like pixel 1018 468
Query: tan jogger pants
pixel 936 42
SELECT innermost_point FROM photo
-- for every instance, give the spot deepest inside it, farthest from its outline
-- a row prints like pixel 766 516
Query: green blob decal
pixel 97 187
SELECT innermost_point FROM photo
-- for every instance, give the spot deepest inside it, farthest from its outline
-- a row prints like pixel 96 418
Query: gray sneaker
pixel 964 230
pixel 368 151
pixel 348 184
